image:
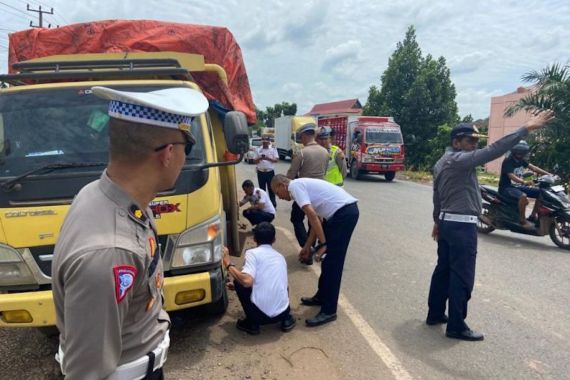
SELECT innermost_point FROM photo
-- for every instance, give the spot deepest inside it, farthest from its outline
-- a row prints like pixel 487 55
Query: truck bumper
pixel 382 168
pixel 36 309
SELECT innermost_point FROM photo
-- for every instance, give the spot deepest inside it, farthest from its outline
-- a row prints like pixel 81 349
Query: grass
pixel 485 178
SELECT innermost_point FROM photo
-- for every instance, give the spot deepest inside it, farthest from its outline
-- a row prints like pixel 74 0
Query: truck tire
pixel 389 176
pixel 354 172
pixel 219 307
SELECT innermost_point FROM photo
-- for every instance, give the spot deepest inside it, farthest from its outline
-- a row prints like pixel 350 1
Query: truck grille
pixel 42 256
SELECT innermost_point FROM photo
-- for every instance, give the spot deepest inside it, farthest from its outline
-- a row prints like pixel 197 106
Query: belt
pixel 458 218
pixel 137 369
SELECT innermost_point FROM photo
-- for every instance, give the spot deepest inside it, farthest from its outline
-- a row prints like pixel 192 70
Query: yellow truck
pixel 53 141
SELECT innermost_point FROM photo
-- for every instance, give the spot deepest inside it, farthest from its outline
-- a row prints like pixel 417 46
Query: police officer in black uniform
pixel 457 204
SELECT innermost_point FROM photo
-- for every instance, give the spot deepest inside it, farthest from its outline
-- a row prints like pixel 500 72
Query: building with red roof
pixel 349 107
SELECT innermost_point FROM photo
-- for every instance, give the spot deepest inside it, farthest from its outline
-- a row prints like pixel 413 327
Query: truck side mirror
pixel 235 132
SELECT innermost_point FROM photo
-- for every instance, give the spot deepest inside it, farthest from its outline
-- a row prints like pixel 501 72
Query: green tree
pixel 419 94
pixel 467 119
pixel 551 90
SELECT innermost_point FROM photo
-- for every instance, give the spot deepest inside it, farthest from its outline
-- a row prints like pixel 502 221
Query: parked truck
pixel 372 144
pixel 53 141
pixel 285 134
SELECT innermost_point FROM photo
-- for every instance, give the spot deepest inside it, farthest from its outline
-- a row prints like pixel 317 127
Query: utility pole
pixel 41 14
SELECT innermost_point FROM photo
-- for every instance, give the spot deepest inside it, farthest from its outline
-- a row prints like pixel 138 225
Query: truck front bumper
pixel 36 309
pixel 382 168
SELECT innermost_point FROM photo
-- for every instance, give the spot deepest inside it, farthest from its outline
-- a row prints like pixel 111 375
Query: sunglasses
pixel 187 146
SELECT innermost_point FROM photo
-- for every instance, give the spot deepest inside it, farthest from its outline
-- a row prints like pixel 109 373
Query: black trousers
pixel 156 375
pixel 252 312
pixel 454 275
pixel 298 221
pixel 264 180
pixel 338 231
pixel 256 216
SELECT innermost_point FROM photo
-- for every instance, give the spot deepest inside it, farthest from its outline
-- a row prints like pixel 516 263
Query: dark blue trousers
pixel 264 179
pixel 338 231
pixel 252 312
pixel 256 216
pixel 454 275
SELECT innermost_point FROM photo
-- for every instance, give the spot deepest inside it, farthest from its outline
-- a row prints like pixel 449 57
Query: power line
pixel 11 12
pixel 9 6
pixel 59 18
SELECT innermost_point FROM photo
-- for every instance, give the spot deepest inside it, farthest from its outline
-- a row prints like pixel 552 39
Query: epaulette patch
pixel 138 215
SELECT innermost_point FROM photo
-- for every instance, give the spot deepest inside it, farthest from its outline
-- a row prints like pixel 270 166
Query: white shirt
pixel 257 197
pixel 323 196
pixel 269 271
pixel 270 152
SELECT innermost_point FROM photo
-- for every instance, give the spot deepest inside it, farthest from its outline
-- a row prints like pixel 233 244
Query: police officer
pixel 336 168
pixel 339 212
pixel 310 162
pixel 457 205
pixel 107 268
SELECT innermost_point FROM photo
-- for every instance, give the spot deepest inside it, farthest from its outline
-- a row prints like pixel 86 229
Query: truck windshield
pixel 383 136
pixel 50 126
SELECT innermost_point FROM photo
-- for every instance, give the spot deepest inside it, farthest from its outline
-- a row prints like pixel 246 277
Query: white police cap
pixel 169 108
pixel 306 128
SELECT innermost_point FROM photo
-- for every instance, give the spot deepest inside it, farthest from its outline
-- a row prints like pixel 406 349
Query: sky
pixel 317 51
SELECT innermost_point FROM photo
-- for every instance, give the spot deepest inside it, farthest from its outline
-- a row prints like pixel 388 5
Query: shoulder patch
pixel 124 280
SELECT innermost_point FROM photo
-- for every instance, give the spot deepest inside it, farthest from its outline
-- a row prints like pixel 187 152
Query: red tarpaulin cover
pixel 216 44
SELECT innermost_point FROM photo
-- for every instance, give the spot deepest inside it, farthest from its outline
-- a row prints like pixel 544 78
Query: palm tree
pixel 550 90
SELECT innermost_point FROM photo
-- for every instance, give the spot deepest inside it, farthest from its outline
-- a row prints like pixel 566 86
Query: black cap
pixel 466 130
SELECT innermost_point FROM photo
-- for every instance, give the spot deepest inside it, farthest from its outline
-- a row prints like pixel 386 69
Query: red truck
pixel 372 144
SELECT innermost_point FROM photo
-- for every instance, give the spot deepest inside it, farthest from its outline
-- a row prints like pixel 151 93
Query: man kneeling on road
pixel 261 209
pixel 338 209
pixel 261 285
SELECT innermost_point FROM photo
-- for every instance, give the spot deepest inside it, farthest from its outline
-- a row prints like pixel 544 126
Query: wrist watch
pixel 229 265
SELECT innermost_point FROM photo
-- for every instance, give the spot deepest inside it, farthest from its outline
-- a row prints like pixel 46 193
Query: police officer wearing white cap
pixel 310 162
pixel 107 268
pixel 457 205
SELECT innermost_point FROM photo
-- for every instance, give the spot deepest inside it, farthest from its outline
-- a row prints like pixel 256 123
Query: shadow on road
pixel 426 343
pixel 545 245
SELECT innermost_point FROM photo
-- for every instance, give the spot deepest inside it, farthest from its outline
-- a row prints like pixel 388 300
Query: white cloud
pixel 317 51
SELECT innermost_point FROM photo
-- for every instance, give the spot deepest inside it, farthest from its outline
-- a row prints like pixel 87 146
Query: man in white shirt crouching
pixel 261 209
pixel 261 285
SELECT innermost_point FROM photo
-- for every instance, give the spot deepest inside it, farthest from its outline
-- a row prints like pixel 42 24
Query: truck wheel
pixel 390 176
pixel 220 306
pixel 560 233
pixel 354 172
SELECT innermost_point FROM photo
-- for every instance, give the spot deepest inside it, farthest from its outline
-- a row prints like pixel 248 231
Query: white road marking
pixel 367 332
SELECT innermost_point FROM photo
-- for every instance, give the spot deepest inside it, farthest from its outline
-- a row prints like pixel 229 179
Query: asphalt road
pixel 521 299
pixel 521 302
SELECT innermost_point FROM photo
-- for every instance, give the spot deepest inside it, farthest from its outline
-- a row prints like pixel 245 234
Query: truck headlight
pixel 367 158
pixel 13 269
pixel 199 245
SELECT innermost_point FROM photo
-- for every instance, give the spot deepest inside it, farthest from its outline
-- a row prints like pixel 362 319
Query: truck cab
pixel 376 146
pixel 53 141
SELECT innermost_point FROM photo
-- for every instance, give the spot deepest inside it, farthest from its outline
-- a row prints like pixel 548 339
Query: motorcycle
pixel 500 212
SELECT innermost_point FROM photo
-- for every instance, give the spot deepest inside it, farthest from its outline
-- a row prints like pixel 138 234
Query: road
pixel 521 302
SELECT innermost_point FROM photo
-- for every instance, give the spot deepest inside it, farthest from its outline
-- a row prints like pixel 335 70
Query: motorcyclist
pixel 513 185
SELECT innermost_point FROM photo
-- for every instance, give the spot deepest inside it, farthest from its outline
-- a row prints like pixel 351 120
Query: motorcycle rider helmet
pixel 521 149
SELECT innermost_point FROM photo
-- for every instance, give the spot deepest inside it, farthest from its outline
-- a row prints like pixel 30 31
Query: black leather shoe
pixel 320 319
pixel 248 327
pixel 311 301
pixel 468 335
pixel 288 323
pixel 436 321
